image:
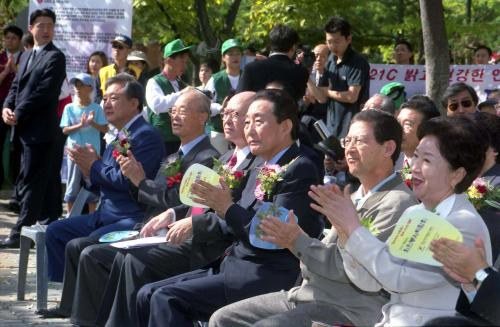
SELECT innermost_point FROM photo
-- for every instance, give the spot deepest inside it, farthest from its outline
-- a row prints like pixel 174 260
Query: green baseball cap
pixel 231 43
pixel 174 47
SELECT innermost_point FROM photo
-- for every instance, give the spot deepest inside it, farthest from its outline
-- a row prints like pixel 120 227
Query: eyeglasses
pixel 181 112
pixel 353 140
pixel 464 103
pixel 117 46
pixel 230 114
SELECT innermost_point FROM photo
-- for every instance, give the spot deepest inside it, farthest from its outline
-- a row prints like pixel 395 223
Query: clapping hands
pixel 337 208
pixel 83 156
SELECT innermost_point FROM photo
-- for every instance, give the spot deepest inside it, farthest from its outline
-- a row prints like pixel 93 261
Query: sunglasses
pixel 118 46
pixel 464 103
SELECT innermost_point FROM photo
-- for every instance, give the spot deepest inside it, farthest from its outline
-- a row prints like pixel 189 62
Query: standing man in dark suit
pixel 31 107
pixel 271 130
pixel 117 210
pixel 279 67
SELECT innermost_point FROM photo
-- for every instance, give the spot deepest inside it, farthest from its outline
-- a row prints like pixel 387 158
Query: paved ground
pixel 20 313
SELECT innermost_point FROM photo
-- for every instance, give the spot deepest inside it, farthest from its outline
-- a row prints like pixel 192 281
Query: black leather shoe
pixel 9 243
pixel 54 312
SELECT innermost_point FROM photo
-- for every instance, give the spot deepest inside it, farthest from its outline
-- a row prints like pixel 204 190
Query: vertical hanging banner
pixel 85 26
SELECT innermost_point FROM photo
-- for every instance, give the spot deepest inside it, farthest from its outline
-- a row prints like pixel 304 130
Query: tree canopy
pixel 376 24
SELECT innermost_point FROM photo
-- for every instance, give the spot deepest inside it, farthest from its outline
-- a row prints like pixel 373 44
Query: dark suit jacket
pixel 486 304
pixel 154 192
pixel 257 74
pixel 210 234
pixel 490 215
pixel 107 179
pixel 249 271
pixel 34 95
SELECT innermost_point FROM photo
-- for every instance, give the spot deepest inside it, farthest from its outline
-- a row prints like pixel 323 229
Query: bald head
pixel 321 52
pixel 233 118
pixel 323 48
pixel 241 100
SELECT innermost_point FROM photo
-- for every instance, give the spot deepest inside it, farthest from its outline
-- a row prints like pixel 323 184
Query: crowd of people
pixel 305 138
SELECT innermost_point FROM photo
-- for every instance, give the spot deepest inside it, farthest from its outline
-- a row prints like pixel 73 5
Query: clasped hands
pixel 83 156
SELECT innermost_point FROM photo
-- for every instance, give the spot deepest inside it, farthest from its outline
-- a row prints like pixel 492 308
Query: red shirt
pixel 6 83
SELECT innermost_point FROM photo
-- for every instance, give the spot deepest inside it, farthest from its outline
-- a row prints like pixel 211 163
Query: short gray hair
pixel 131 88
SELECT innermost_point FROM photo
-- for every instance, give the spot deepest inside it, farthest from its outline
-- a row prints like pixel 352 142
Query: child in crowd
pixel 82 121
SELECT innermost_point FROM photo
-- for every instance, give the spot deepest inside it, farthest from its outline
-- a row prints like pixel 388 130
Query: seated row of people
pixel 341 283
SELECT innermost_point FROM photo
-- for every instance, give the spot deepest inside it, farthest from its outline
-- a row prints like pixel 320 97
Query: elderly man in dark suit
pixel 326 293
pixel 195 241
pixel 270 130
pixel 190 114
pixel 31 107
pixel 279 68
pixel 118 210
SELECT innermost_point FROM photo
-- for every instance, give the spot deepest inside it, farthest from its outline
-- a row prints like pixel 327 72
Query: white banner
pixel 85 26
pixel 482 77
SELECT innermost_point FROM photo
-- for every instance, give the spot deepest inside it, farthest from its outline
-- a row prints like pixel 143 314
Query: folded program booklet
pixel 415 231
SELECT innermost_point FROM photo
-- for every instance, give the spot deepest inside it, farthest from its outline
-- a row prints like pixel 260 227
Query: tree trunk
pixel 204 23
pixel 437 56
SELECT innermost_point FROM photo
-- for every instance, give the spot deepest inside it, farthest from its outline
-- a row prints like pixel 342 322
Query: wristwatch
pixel 481 275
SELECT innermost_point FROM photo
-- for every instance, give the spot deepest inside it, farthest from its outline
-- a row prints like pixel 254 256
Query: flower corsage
pixel 481 193
pixel 121 144
pixel 173 172
pixel 267 178
pixel 232 178
pixel 406 175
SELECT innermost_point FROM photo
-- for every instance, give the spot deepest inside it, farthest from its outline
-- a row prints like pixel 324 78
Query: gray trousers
pixel 274 310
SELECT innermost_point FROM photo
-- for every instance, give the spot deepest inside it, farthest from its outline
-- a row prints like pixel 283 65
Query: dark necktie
pixel 31 59
pixel 180 154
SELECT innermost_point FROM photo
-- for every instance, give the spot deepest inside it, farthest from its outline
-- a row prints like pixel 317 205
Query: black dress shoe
pixel 9 243
pixel 54 312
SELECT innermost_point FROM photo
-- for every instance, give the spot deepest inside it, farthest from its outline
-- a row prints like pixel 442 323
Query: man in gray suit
pixel 326 294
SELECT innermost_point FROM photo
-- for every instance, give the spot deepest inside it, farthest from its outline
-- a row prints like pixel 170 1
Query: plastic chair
pixel 36 233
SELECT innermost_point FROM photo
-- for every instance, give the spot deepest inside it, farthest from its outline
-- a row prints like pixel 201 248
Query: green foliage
pixel 376 24
pixel 9 9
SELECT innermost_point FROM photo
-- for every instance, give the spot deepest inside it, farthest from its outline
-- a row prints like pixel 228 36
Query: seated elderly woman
pixel 449 157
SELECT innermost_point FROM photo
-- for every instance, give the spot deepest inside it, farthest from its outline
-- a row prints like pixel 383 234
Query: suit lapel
pixel 381 193
pixel 248 199
pixel 37 59
pixel 200 146
pixel 292 153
